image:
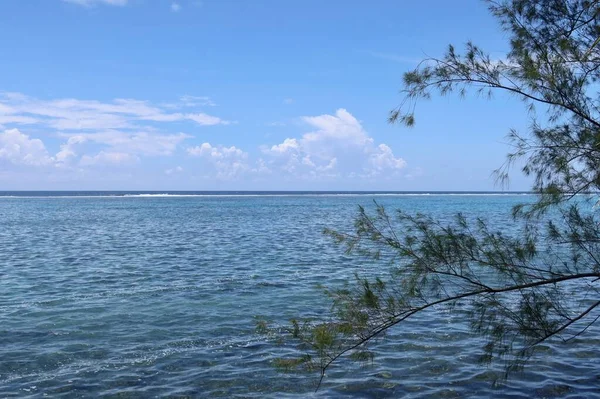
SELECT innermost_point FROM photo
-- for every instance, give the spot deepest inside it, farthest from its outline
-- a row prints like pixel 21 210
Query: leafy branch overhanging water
pixel 521 290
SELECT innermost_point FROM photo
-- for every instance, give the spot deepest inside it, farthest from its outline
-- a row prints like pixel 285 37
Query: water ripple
pixel 138 297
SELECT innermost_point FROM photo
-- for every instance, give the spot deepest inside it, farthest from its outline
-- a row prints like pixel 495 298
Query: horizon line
pixel 276 191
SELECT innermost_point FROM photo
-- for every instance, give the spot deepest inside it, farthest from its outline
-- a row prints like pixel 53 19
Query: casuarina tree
pixel 520 289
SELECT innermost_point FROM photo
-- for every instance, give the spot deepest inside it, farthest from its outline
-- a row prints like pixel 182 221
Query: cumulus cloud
pixel 219 152
pixel 90 132
pixel 384 159
pixel 68 149
pixel 287 146
pixel 228 162
pixel 338 146
pixel 175 7
pixel 86 136
pixel 19 149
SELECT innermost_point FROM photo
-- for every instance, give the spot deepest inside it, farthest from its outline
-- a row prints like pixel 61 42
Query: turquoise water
pixel 144 296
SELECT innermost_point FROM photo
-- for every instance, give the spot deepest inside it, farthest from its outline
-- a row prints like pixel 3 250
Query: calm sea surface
pixel 134 295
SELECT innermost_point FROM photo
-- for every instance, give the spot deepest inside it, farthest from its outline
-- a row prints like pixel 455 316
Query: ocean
pixel 151 294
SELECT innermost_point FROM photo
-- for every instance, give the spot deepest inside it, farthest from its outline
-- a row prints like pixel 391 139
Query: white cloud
pixel 330 166
pixel 188 101
pixel 5 110
pixel 82 138
pixel 177 169
pixel 175 7
pixel 89 3
pixel 206 120
pixel 104 158
pixel 339 146
pixel 384 159
pixel 219 152
pixel 228 162
pixel 261 167
pixel 288 101
pixel 17 119
pixel 75 114
pixel 196 101
pixel 288 145
pixel 137 143
pixel 19 149
pixel 95 132
pixel 68 149
pixel 342 126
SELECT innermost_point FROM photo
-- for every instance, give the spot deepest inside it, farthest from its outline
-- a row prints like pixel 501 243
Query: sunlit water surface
pixel 144 296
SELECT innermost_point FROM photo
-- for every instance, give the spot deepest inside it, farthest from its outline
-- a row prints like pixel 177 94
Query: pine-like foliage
pixel 522 289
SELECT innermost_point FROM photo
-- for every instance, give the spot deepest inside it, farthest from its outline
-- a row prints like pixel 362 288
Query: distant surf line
pixel 242 194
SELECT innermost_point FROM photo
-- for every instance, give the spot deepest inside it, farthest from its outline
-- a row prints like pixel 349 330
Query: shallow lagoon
pixel 142 296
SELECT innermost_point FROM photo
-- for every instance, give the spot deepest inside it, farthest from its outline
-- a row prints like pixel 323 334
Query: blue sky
pixel 241 95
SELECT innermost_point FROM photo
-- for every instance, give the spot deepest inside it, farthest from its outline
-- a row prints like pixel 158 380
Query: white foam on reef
pixel 160 195
pixel 266 194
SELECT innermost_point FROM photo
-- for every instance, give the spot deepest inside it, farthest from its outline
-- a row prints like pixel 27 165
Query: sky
pixel 242 95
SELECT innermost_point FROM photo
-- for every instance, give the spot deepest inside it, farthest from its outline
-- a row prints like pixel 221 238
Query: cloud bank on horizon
pixel 69 141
